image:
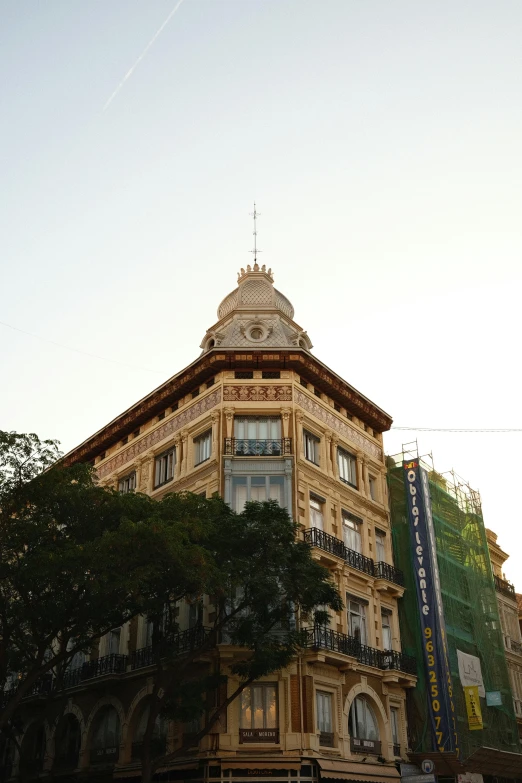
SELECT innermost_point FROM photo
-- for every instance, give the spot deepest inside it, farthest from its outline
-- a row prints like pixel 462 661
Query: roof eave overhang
pixel 216 360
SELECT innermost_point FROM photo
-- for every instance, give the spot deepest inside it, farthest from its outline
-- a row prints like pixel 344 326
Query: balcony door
pixel 257 435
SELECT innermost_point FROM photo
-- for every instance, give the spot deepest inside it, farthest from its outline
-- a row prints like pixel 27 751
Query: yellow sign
pixel 471 695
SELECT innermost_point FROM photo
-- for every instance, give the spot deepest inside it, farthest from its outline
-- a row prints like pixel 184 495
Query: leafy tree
pixel 262 583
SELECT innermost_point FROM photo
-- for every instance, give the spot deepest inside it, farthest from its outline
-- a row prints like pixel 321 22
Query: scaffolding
pixel 469 603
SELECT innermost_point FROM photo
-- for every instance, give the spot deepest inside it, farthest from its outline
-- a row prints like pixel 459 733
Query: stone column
pixel 366 478
pixel 177 466
pixel 147 473
pixel 328 449
pixel 335 461
pixel 299 434
pixel 360 474
pixel 216 417
pixel 285 420
pixel 229 416
pixel 184 453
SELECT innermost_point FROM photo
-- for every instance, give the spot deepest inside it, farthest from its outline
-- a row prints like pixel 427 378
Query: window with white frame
pixel 311 447
pixel 386 629
pixel 202 447
pixel 260 488
pixel 316 512
pixel 352 531
pixel 394 720
pixel 127 483
pixel 164 467
pixel 347 467
pixel 258 706
pixel 380 546
pixel 257 427
pixel 356 619
pixel 372 482
pixel 324 705
pixel 362 720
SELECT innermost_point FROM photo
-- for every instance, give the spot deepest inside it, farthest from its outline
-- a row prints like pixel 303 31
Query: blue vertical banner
pixel 432 628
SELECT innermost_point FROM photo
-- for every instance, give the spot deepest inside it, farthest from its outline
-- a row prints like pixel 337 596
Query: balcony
pixel 41 687
pixel 504 587
pixel 258 735
pixel 319 637
pixel 248 447
pixel 389 572
pixel 181 643
pixel 107 664
pixel 358 745
pixel 335 546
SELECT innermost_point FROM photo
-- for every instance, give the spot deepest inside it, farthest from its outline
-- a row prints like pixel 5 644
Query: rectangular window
pixel 244 375
pixel 380 547
pixel 127 484
pixel 352 531
pixel 271 374
pixel 311 447
pixel 394 720
pixel 164 467
pixel 386 630
pixel 259 707
pixel 113 641
pixel 324 718
pixel 372 481
pixel 347 467
pixel 316 513
pixel 260 488
pixel 357 620
pixel 203 447
pixel 257 428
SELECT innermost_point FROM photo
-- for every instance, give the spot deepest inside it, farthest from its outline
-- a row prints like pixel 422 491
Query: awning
pixel 491 761
pixel 353 771
pixel 260 764
pixel 136 773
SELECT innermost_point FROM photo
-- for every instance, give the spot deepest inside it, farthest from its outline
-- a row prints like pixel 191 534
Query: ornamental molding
pixel 168 428
pixel 348 432
pixel 257 393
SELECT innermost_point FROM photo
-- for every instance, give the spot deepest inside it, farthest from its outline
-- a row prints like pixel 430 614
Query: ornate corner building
pixel 256 416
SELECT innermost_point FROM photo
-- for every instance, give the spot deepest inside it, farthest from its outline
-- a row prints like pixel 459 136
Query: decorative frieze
pixel 257 393
pixel 331 421
pixel 160 433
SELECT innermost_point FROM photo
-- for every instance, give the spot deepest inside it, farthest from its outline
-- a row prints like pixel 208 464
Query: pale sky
pixel 382 143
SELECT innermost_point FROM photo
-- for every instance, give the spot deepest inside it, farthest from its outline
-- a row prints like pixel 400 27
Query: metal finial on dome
pixel 255 251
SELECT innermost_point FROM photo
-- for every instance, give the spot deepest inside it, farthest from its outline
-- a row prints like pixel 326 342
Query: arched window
pixel 158 741
pixel 364 729
pixel 105 745
pixel 67 743
pixel 33 750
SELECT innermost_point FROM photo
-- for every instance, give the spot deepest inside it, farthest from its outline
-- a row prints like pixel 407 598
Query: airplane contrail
pixel 142 55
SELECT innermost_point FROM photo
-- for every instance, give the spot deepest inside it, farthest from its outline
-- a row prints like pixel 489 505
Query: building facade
pixel 466 647
pixel 509 622
pixel 255 416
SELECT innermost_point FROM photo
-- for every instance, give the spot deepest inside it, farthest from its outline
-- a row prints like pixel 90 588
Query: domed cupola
pixel 255 315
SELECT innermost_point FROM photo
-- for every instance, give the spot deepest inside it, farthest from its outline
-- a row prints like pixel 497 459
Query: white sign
pixel 427 765
pixel 471 777
pixel 470 672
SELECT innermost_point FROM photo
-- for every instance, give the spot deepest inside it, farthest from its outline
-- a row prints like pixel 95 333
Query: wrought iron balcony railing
pixel 249 447
pixel 107 664
pixel 335 546
pixel 389 572
pixel 504 587
pixel 326 739
pixel 320 637
pixel 358 745
pixel 181 643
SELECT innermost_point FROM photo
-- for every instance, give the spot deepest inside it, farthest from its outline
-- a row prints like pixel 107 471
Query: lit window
pixel 127 484
pixel 380 547
pixel 311 447
pixel 203 447
pixel 347 467
pixel 316 513
pixel 357 620
pixel 259 706
pixel 260 488
pixel 352 531
pixel 164 467
pixel 324 718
